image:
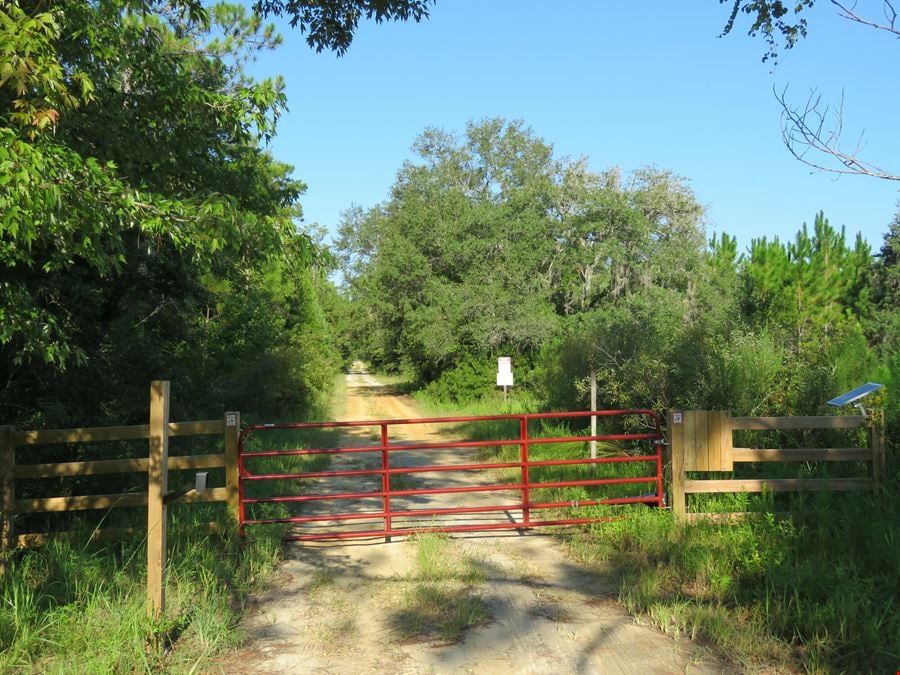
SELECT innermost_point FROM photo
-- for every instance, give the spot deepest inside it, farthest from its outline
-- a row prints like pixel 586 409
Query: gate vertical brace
pixel 526 480
pixel 594 417
pixel 242 506
pixel 386 481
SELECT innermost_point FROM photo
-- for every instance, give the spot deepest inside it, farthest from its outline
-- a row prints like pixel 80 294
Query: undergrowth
pixel 75 606
pixel 821 593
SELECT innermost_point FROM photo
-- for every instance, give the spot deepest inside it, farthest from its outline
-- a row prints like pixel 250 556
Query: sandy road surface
pixel 337 607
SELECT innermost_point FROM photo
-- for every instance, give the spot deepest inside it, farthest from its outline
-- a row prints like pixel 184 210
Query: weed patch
pixel 762 591
pixel 434 612
pixel 438 558
pixel 438 602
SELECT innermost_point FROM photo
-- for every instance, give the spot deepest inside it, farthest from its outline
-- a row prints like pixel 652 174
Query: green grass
pixel 491 404
pixel 438 558
pixel 821 594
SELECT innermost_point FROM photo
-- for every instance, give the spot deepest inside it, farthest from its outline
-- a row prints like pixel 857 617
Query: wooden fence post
pixel 157 486
pixel 232 433
pixel 7 494
pixel 676 449
pixel 876 444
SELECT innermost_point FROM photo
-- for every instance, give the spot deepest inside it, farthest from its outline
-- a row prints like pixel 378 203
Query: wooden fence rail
pixel 156 465
pixel 701 441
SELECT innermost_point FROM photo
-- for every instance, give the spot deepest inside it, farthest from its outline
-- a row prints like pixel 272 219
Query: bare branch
pixel 816 141
pixel 159 307
pixel 890 17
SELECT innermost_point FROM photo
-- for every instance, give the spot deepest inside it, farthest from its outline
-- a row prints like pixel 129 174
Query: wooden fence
pixel 702 441
pixel 156 465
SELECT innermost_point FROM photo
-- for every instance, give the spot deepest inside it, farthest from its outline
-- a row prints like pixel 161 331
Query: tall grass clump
pixel 78 606
pixel 440 602
pixel 821 592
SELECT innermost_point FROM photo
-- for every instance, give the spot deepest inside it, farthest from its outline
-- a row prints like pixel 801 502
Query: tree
pixel 887 291
pixel 144 230
pixel 812 132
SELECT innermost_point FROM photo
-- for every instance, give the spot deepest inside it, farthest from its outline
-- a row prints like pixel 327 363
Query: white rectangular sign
pixel 504 371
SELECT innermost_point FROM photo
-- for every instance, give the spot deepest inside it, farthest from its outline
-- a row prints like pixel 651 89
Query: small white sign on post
pixel 504 372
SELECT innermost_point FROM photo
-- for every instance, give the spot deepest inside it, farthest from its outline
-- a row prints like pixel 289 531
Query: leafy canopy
pixel 331 24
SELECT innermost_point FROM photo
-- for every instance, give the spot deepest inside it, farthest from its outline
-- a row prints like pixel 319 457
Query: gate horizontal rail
pixel 385 471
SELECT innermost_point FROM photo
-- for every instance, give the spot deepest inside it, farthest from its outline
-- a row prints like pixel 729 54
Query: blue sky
pixel 627 84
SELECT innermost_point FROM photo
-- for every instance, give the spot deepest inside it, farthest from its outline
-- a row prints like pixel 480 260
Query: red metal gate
pixel 382 521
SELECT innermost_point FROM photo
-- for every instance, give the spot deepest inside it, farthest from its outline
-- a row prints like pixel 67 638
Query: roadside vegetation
pixel 145 233
pixel 818 592
pixel 77 606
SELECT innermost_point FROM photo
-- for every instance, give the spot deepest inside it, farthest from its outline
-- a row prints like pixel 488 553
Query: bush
pixel 471 380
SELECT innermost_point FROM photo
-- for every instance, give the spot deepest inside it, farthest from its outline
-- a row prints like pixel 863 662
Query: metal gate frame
pixel 385 447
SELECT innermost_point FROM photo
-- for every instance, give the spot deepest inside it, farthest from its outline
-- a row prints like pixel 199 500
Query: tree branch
pixel 890 16
pixel 811 139
pixel 159 307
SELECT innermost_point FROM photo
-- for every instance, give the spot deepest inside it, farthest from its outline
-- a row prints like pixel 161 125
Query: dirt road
pixel 485 603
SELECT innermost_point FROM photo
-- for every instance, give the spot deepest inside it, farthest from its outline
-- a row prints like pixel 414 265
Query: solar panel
pixel 856 394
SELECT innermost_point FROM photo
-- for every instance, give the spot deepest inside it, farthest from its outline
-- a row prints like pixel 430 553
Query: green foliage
pixel 885 328
pixel 774 19
pixel 470 380
pixel 331 24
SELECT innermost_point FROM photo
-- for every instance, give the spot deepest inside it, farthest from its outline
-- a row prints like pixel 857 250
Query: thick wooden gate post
pixel 676 454
pixel 7 494
pixel 157 486
pixel 232 433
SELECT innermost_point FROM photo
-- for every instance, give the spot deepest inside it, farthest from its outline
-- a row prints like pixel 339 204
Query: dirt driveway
pixel 474 603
